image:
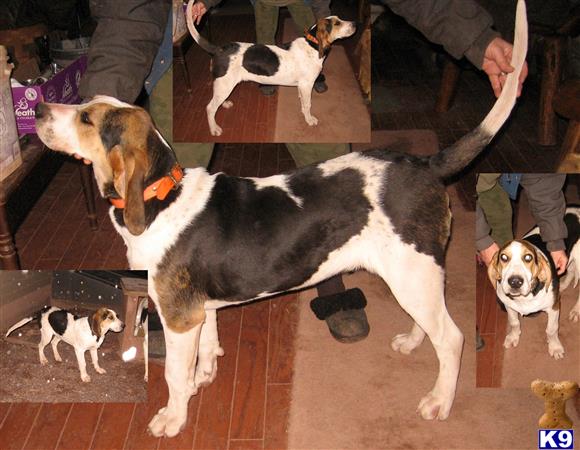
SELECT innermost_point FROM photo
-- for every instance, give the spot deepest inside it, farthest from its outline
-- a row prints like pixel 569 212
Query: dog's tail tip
pixel 19 324
pixel 455 158
pixel 201 41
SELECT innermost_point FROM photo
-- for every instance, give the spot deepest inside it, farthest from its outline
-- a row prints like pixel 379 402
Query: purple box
pixel 62 88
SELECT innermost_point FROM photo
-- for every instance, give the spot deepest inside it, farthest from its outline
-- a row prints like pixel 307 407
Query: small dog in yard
pixel 83 333
pixel 526 281
pixel 295 64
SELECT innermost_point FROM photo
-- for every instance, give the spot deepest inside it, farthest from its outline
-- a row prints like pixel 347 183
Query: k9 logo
pixel 549 439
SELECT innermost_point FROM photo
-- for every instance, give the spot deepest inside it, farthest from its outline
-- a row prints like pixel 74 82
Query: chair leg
pixel 551 72
pixel 89 193
pixel 571 149
pixel 449 81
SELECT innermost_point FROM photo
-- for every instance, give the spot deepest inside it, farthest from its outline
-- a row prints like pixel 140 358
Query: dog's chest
pixel 531 303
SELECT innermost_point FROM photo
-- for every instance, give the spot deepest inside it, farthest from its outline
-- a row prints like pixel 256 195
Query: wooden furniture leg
pixel 551 72
pixel 133 290
pixel 449 81
pixel 180 48
pixel 8 255
pixel 89 194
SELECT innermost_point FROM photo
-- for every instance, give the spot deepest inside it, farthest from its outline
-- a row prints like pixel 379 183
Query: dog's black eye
pixel 528 258
pixel 85 118
pixel 504 257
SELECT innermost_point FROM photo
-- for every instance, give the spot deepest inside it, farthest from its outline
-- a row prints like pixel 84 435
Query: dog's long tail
pixel 203 42
pixel 459 155
pixel 19 324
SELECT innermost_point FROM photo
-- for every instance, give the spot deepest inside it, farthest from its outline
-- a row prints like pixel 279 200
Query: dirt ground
pixel 25 380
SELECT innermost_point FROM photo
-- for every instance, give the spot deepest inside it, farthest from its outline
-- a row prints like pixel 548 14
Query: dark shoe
pixel 268 89
pixel 320 84
pixel 344 314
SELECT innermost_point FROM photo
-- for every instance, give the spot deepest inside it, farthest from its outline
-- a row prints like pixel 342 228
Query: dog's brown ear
pixel 543 271
pixel 323 29
pixel 494 269
pixel 129 170
pixel 96 320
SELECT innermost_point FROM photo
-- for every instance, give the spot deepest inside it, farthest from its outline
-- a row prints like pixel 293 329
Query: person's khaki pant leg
pixel 497 207
pixel 266 22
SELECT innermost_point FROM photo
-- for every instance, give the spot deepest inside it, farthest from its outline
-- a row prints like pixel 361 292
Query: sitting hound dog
pixel 211 241
pixel 83 333
pixel 526 281
pixel 295 64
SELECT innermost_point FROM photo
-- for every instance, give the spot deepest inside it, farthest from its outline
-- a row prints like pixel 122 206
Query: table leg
pixel 89 193
pixel 8 255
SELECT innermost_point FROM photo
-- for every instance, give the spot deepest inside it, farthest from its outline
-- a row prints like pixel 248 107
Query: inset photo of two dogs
pixel 99 318
pixel 528 298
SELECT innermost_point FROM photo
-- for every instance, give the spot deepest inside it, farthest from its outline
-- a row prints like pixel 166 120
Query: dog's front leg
pixel 512 338
pixel 555 348
pixel 181 354
pixel 80 354
pixel 95 359
pixel 305 95
pixel 209 350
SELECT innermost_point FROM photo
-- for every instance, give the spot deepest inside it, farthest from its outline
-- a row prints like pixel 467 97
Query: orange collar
pixel 309 37
pixel 159 189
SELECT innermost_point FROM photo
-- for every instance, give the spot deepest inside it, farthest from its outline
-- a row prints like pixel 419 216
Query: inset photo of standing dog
pixel 528 298
pixel 264 73
pixel 93 323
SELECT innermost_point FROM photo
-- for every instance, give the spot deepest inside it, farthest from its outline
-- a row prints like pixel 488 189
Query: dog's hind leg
pixel 54 343
pixel 422 297
pixel 222 88
pixel 209 350
pixel 574 314
pixel 45 337
pixel 305 95
pixel 181 354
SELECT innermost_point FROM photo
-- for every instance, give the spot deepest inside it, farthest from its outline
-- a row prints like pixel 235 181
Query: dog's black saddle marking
pixel 261 60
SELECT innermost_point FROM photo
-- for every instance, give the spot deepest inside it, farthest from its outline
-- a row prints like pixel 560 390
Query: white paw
pixel 574 315
pixel 100 370
pixel 86 378
pixel 215 130
pixel 404 343
pixel 43 362
pixel 206 369
pixel 311 121
pixel 434 406
pixel 163 424
pixel 57 358
pixel 227 104
pixel 511 340
pixel 146 378
pixel 556 350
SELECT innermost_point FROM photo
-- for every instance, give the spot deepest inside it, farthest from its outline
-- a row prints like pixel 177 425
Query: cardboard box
pixel 62 88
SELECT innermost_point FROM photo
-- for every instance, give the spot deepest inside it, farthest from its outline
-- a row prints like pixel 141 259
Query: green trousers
pixel 267 19
pixel 497 207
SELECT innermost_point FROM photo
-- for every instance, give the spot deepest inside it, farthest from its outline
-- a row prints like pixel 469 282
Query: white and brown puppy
pixel 83 333
pixel 297 63
pixel 527 282
pixel 211 241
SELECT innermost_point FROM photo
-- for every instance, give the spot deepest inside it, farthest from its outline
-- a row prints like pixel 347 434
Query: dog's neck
pixel 312 40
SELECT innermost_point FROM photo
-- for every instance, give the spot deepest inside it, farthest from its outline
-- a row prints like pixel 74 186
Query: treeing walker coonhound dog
pixel 526 281
pixel 83 333
pixel 295 64
pixel 210 241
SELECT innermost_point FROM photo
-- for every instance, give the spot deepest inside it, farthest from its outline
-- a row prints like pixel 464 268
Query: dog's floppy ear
pixel 323 29
pixel 96 320
pixel 543 271
pixel 129 170
pixel 494 269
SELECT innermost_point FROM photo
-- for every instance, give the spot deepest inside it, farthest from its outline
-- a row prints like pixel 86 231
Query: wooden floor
pixel 491 322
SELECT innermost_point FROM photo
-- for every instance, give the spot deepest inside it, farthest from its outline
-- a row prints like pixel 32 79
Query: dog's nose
pixel 40 110
pixel 515 281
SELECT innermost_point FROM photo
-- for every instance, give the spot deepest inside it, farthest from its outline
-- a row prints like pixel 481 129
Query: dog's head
pixel 518 267
pixel 329 30
pixel 103 320
pixel 119 139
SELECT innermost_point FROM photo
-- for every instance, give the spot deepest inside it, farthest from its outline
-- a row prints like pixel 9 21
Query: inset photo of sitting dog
pixel 271 74
pixel 528 298
pixel 92 321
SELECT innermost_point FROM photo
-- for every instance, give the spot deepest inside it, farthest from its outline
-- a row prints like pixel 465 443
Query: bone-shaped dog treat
pixel 555 396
